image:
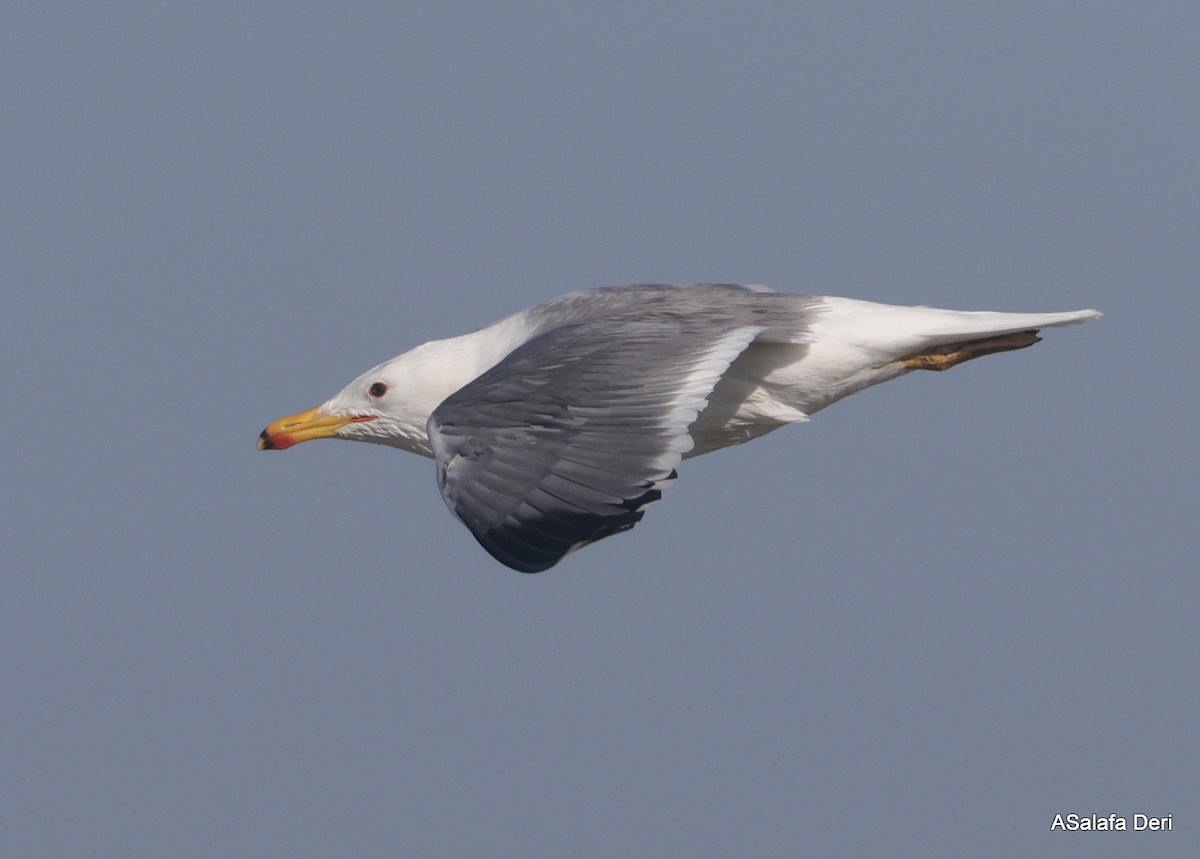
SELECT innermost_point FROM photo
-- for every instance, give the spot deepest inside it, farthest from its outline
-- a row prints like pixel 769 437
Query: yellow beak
pixel 304 426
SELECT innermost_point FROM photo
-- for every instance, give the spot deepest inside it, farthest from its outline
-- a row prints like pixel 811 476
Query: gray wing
pixel 567 439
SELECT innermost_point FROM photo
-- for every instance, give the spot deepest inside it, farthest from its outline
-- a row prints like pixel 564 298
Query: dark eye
pixel 377 390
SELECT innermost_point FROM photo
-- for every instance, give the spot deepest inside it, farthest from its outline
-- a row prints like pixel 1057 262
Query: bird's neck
pixel 441 367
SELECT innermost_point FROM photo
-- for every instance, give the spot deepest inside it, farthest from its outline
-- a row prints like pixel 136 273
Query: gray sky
pixel 944 611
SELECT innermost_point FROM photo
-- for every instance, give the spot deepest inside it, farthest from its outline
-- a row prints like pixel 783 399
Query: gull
pixel 556 427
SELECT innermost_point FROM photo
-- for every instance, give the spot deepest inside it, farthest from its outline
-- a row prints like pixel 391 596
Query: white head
pixel 389 404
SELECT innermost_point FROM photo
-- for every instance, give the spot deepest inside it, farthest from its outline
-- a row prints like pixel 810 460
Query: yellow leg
pixel 945 357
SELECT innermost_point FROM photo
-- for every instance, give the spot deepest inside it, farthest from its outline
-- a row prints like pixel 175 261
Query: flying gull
pixel 556 426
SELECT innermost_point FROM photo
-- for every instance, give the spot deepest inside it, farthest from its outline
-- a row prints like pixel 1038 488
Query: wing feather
pixel 566 440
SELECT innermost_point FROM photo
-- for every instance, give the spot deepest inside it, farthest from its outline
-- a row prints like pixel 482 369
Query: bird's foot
pixel 946 356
